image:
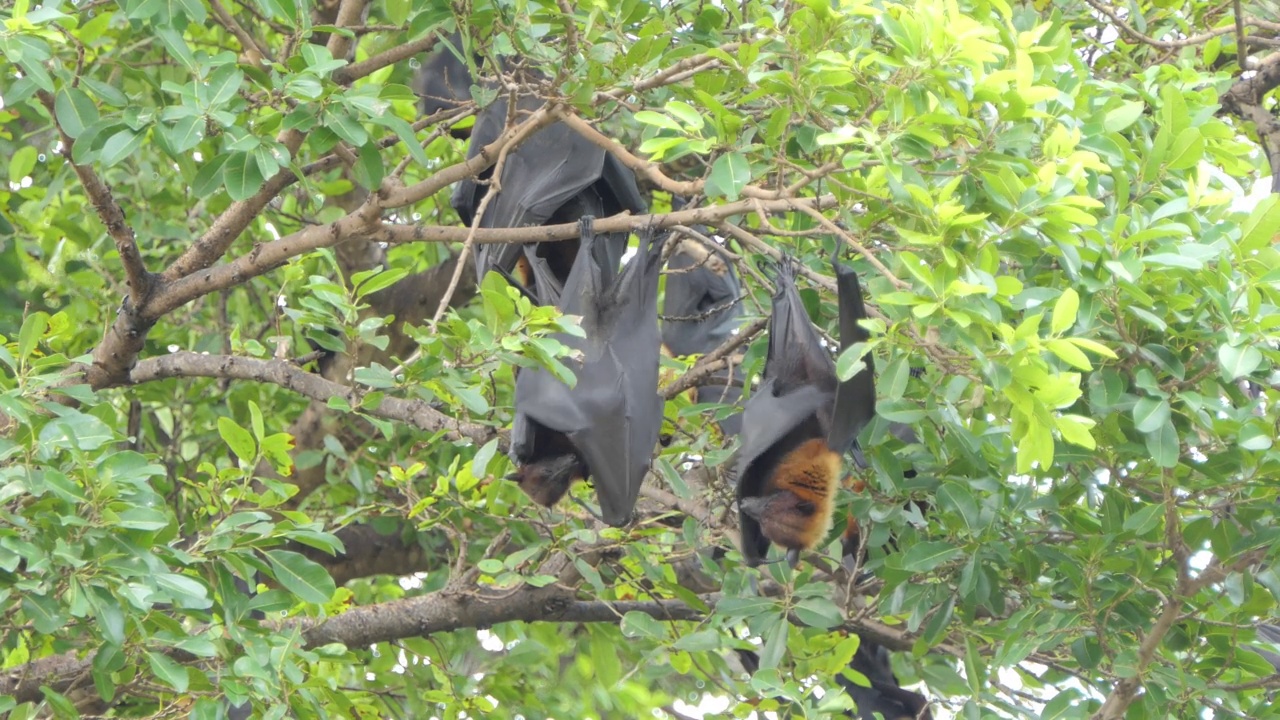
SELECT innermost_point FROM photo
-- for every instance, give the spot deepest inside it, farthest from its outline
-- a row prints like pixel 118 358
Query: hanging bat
pixel 555 176
pixel 443 82
pixel 799 423
pixel 885 698
pixel 606 426
pixel 700 312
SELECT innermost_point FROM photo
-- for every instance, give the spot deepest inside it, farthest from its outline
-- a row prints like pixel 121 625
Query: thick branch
pixel 1244 100
pixel 287 375
pixel 355 71
pixel 136 275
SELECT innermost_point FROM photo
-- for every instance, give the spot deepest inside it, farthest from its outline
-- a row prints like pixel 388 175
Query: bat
pixel 555 176
pixel 443 82
pixel 799 423
pixel 884 697
pixel 606 426
pixel 700 312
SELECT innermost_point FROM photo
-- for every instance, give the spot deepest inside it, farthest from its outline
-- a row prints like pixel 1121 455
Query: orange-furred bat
pixel 799 423
pixel 606 426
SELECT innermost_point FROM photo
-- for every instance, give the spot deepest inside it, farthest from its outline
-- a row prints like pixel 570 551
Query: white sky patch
pixel 489 641
pixel 412 582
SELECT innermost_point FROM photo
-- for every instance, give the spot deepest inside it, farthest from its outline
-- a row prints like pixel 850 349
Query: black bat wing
pixel 699 286
pixel 885 695
pixel 796 356
pixel 620 386
pixel 613 413
pixel 541 179
pixel 542 400
pixel 855 403
pixel 443 82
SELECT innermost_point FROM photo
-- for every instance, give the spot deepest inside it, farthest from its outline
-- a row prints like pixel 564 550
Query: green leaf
pixel 1150 413
pixel 851 361
pixel 636 624
pixel 1163 445
pixel 775 644
pixel 119 146
pixel 1145 520
pixel 729 174
pixel 143 518
pixel 238 439
pixel 223 85
pixel 168 671
pixel 209 177
pixel 1119 118
pixel 45 613
pixel 305 579
pixel 957 498
pixel 1069 353
pixel 1187 150
pixel 1237 362
pixel 700 641
pixel 925 556
pixel 184 134
pixel 242 176
pixel 819 612
pixel 22 163
pixel 1064 312
pixel 1260 228
pixel 1075 430
pixel 186 592
pixel 689 115
pixel 404 131
pixel 75 111
pixel 74 429
pixel 480 463
pixel 34 327
pixel 177 47
pixel 657 119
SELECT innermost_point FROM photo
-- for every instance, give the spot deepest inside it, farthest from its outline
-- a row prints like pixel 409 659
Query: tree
pixel 243 347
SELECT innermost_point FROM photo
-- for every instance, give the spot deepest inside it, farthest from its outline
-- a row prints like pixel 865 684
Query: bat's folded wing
pixel 855 402
pixel 620 435
pixel 542 397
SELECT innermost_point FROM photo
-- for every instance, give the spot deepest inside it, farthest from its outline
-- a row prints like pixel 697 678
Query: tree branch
pixel 417 413
pixel 350 73
pixel 139 280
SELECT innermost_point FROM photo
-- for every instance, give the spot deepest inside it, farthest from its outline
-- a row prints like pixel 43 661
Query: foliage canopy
pixel 239 343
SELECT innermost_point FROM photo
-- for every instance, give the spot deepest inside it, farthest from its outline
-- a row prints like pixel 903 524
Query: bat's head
pixel 787 520
pixel 547 480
